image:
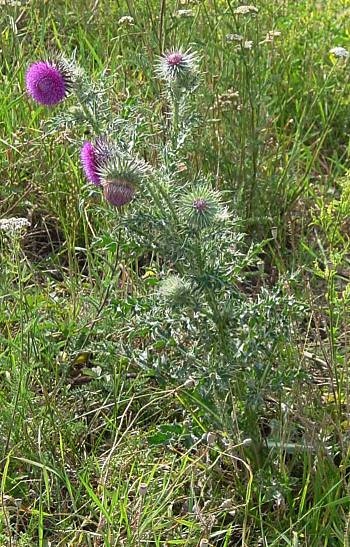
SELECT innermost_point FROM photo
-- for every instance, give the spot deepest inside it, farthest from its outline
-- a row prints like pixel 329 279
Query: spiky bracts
pixel 175 291
pixel 48 83
pixel 121 176
pixel 178 66
pixel 200 207
pixel 116 171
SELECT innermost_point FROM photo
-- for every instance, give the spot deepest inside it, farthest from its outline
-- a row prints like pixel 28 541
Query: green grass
pixel 83 421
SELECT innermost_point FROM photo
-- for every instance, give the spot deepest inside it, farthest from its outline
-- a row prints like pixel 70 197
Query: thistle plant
pixel 184 221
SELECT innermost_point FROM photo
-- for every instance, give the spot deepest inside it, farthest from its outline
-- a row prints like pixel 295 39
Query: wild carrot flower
pixel 13 225
pixel 234 38
pixel 177 65
pixel 245 10
pixel 339 52
pixel 48 82
pixel 126 20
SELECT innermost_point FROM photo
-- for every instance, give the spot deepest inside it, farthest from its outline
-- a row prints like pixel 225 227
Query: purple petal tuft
pixel 89 161
pixel 45 83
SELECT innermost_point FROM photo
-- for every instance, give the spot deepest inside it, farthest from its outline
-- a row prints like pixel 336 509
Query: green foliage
pixel 173 372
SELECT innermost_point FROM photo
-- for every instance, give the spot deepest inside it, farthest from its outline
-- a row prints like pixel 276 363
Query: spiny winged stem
pixel 175 97
pixel 216 315
pixel 89 115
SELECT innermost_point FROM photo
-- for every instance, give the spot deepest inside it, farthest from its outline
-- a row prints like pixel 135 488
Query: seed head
pixel 48 82
pixel 200 208
pixel 177 66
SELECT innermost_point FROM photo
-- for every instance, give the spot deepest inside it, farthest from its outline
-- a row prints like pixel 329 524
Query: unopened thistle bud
pixel 175 291
pixel 199 208
pixel 48 82
pixel 177 66
pixel 120 177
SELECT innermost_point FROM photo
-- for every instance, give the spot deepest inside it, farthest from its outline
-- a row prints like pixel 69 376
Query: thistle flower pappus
pixel 120 177
pixel 339 52
pixel 199 208
pixel 48 83
pixel 177 65
pixel 175 290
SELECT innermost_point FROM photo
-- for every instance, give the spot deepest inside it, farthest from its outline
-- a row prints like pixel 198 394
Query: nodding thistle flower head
pixel 48 82
pixel 199 208
pixel 94 157
pixel 120 176
pixel 177 66
pixel 175 290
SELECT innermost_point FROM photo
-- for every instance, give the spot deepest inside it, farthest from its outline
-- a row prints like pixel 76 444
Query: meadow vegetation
pixel 174 354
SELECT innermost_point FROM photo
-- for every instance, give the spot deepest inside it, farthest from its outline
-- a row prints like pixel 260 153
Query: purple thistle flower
pixel 174 59
pixel 90 163
pixel 47 83
pixel 200 204
pixel 118 192
pixel 177 64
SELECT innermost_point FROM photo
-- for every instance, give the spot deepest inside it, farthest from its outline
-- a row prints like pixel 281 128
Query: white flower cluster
pixel 13 225
pixel 245 10
pixel 340 52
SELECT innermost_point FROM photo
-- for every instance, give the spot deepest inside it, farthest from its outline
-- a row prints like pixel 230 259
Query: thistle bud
pixel 200 208
pixel 175 290
pixel 120 176
pixel 118 192
pixel 178 66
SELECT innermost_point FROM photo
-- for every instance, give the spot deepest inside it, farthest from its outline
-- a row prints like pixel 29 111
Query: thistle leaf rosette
pixel 200 208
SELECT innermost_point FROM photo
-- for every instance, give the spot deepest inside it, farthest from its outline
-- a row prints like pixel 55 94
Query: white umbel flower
pixel 339 52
